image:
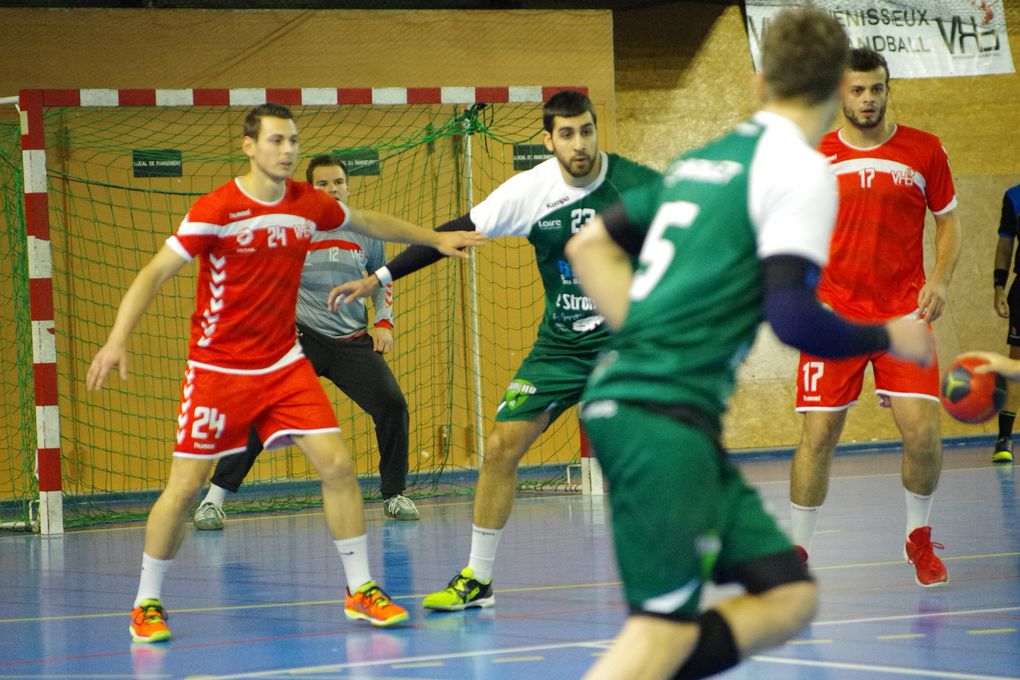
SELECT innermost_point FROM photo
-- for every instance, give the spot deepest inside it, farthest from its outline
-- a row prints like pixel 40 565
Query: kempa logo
pixel 518 392
pixel 558 202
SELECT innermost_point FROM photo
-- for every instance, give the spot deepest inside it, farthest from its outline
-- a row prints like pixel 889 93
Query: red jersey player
pixel 889 177
pixel 245 367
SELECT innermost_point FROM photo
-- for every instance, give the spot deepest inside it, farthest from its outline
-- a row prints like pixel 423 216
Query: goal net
pixel 118 181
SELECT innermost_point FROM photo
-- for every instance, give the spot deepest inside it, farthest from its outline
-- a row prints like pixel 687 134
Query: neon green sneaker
pixel 464 591
pixel 1003 452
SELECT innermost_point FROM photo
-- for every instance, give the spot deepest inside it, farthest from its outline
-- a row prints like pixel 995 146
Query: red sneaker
pixel 802 554
pixel 920 551
pixel 370 603
pixel 148 622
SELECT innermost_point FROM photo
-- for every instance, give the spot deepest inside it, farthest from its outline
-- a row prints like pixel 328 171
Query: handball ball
pixel 969 397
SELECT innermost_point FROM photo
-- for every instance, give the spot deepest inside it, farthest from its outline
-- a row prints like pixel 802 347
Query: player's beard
pixel 584 170
pixel 865 124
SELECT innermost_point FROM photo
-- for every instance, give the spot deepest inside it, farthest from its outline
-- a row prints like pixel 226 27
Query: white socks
pixel 354 555
pixel 918 510
pixel 150 583
pixel 216 495
pixel 803 520
pixel 483 551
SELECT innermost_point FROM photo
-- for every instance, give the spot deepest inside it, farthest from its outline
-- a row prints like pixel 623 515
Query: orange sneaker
pixel 920 551
pixel 370 603
pixel 148 622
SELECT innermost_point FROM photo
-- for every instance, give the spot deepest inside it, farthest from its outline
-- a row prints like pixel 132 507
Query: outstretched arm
pixel 389 228
pixel 161 268
pixel 411 260
pixel 800 320
pixel 995 363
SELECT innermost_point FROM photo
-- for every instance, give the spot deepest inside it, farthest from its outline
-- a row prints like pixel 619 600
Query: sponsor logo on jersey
pixel 239 214
pixel 903 178
pixel 557 203
pixel 549 224
pixel 304 230
pixel 832 157
pixel 518 392
pixel 245 236
pixel 574 303
pixel 588 323
pixel 703 170
pixel 566 273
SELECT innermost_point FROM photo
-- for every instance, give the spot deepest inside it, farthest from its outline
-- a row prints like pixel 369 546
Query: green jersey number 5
pixel 657 251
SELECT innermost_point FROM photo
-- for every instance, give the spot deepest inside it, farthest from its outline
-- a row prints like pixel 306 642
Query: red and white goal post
pixel 376 117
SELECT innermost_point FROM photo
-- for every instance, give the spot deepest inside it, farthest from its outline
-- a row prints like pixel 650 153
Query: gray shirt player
pixel 337 257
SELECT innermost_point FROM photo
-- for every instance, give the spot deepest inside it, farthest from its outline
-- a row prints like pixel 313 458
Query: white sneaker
pixel 209 517
pixel 400 507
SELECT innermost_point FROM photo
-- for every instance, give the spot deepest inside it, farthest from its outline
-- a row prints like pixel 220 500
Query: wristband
pixel 1000 276
pixel 384 276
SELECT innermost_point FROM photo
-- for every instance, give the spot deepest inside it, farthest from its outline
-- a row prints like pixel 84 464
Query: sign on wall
pixel 361 161
pixel 156 162
pixel 527 156
pixel 918 38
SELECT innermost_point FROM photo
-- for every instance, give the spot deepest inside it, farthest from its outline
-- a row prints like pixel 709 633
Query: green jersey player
pixel 547 205
pixel 734 231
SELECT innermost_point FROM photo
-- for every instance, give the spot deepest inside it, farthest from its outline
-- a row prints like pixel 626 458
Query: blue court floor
pixel 263 598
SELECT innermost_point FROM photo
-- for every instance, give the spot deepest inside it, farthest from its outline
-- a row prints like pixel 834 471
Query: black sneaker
pixel 1003 452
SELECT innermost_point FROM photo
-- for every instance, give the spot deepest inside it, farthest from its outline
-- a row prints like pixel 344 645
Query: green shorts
pixel 546 382
pixel 682 513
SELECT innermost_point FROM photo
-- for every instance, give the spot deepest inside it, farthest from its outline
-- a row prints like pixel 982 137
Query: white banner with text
pixel 919 39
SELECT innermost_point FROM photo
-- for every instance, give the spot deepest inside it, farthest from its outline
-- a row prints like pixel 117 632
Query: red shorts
pixel 835 384
pixel 218 409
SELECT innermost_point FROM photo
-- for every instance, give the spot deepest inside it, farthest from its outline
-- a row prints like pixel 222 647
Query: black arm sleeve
pixel 622 230
pixel 419 257
pixel 800 320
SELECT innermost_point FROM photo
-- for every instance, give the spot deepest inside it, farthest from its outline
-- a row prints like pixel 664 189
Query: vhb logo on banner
pixel 918 38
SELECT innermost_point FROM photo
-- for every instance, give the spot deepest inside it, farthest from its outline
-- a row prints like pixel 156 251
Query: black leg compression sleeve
pixel 715 652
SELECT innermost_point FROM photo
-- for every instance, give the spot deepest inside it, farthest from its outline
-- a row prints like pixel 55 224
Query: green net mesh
pixel 17 419
pixel 106 222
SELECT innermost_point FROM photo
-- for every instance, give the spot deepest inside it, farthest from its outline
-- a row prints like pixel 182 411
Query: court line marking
pixel 901 636
pixel 891 670
pixel 525 589
pixel 604 644
pixel 413 659
pixel 278 514
pixel 905 617
pixel 599 644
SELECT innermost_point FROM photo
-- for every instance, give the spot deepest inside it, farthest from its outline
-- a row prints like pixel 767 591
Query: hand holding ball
pixel 971 397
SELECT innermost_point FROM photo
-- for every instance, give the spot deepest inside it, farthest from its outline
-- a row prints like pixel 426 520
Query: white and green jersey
pixel 539 205
pixel 696 296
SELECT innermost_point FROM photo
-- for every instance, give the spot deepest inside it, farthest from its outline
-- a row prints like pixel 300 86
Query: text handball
pixel 971 397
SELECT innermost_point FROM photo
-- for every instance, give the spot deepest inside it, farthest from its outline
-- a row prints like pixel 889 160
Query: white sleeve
pixel 510 209
pixel 793 202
